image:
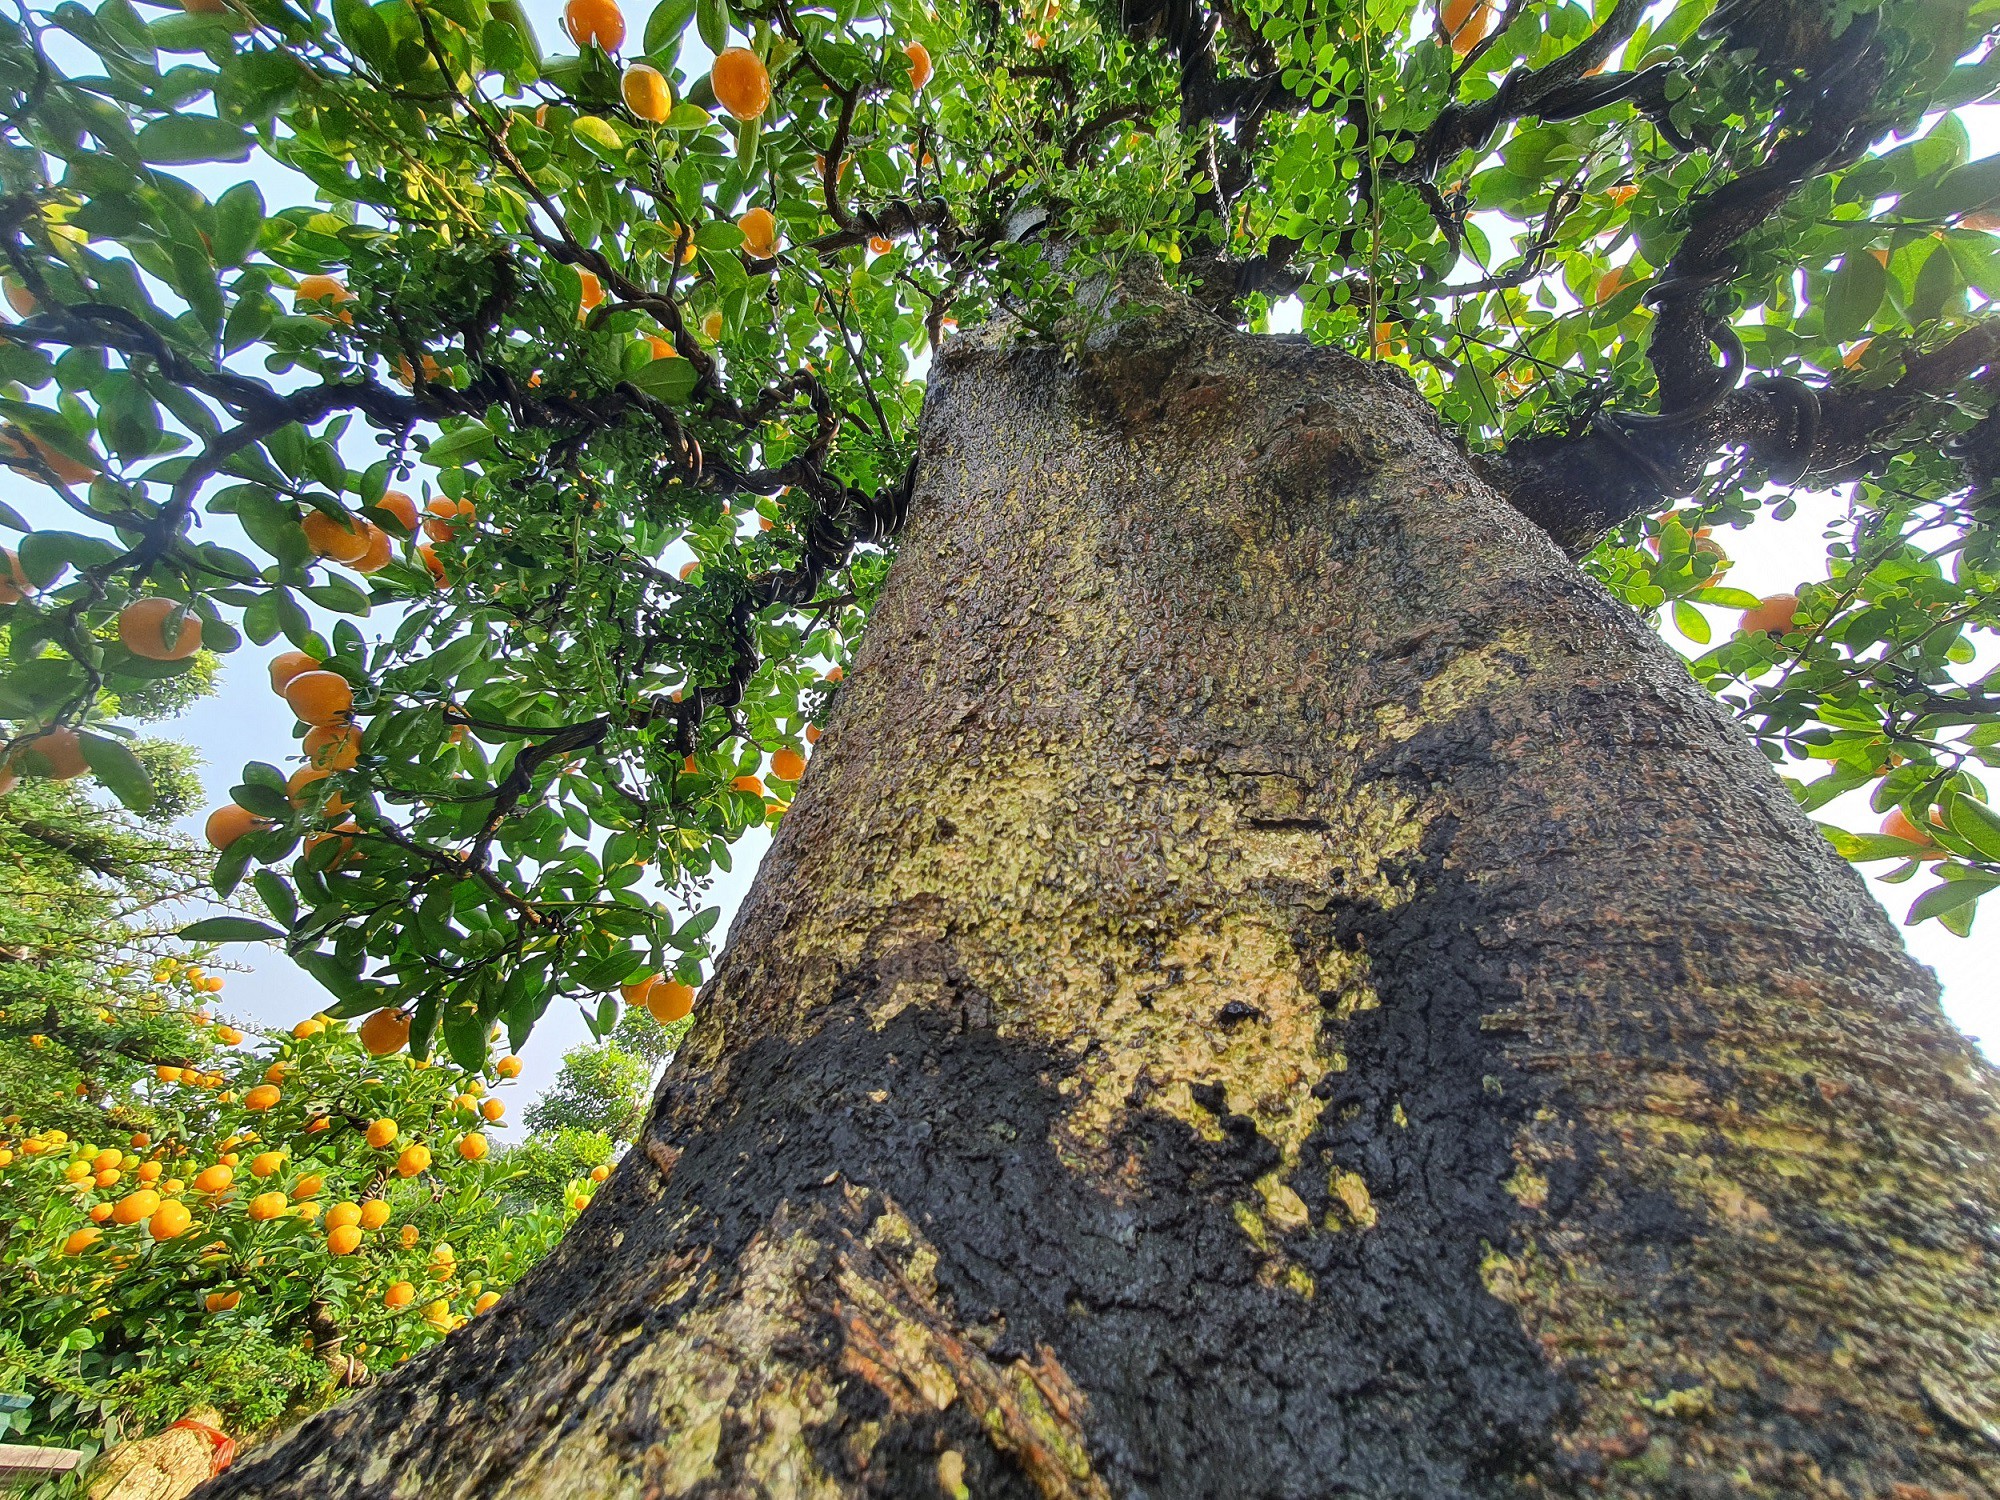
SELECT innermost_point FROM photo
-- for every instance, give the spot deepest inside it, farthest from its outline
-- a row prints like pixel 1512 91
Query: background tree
pixel 579 1124
pixel 1281 984
pixel 239 1230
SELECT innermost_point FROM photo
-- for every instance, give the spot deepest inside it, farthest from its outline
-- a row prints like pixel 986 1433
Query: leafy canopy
pixel 650 361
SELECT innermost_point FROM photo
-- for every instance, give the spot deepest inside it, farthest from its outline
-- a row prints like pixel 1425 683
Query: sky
pixel 244 720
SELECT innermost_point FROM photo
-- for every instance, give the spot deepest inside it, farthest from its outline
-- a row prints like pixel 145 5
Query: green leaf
pixel 1854 295
pixel 272 525
pixel 668 380
pixel 1691 622
pixel 513 14
pixel 363 29
pixel 665 25
pixel 718 234
pixel 229 930
pixel 178 140
pixel 239 215
pixel 688 115
pixel 1950 896
pixel 711 21
pixel 461 446
pixel 119 769
pixel 277 897
pixel 599 136
pixel 1976 823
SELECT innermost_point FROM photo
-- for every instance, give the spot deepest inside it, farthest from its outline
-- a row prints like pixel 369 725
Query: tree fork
pixel 1275 985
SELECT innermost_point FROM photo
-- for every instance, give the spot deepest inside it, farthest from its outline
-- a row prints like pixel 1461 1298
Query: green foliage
pixel 662 465
pixel 601 1089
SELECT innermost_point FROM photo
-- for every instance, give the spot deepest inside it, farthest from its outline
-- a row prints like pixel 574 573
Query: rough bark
pixel 1274 985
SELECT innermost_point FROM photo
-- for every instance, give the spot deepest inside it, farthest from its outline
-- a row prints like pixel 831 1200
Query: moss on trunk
pixel 1273 985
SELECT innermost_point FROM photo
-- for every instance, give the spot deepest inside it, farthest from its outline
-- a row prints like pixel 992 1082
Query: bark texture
pixel 1274 985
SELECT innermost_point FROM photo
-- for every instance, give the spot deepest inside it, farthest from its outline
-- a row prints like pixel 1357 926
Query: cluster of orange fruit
pixel 324 702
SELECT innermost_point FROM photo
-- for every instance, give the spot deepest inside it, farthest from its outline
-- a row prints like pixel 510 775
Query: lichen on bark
pixel 1273 985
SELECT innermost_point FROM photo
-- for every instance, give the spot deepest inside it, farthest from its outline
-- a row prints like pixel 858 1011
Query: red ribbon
pixel 223 1445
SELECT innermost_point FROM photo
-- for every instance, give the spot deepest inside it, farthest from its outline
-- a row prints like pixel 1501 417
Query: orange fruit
pixel 400 1294
pixel 1852 358
pixel 813 732
pixel 1622 194
pixel 133 1207
pixel 228 823
pixel 669 1001
pixel 644 89
pixel 427 555
pixel 267 1163
pixel 374 1213
pixel 443 518
pixel 261 1097
pixel 299 788
pixel 412 1160
pixel 920 64
pixel 342 540
pixel 214 1179
pixel 142 630
pixel 760 233
pixel 289 664
pixel 39 456
pixel 1987 219
pixel 343 1214
pixel 332 747
pixel 472 1147
pixel 56 755
pixel 484 1302
pixel 740 83
pixel 401 506
pixel 319 697
pixel 100 1213
pixel 1609 285
pixel 1466 22
pixel 218 1302
pixel 1898 826
pixel 343 1241
pixel 381 1133
pixel 381 549
pixel 879 245
pixel 1773 615
pixel 319 291
pixel 599 1173
pixel 508 1067
pixel 788 764
pixel 635 992
pixel 13 582
pixel 748 784
pixel 82 1240
pixel 593 289
pixel 687 568
pixel 408 1236
pixel 19 297
pixel 170 1221
pixel 835 674
pixel 598 21
pixel 265 1206
pixel 492 1109
pixel 711 326
pixel 387 1031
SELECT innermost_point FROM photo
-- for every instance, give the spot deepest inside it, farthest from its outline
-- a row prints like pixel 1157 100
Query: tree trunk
pixel 1274 985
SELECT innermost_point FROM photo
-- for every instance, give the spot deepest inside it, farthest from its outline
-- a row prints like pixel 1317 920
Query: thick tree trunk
pixel 1274 985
